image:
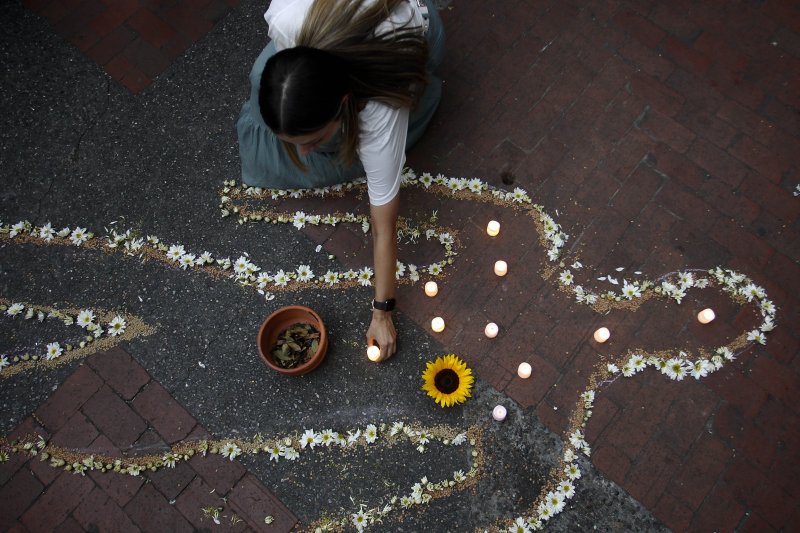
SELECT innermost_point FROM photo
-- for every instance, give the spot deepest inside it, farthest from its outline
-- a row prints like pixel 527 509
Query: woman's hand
pixel 381 332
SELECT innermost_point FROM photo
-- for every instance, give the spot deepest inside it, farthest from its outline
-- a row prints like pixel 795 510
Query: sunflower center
pixel 446 381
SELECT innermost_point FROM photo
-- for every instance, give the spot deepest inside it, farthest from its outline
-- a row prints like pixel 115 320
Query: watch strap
pixel 386 305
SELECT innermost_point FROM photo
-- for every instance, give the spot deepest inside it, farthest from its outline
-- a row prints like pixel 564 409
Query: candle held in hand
pixel 373 353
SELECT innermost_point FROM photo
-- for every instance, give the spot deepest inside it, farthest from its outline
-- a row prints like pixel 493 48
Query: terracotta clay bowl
pixel 279 321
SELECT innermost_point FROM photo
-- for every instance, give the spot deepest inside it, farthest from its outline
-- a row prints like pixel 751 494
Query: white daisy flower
pixel 310 439
pixel 78 236
pixel 169 460
pixel 263 280
pixel 399 270
pixel 757 336
pixel 637 362
pixel 15 309
pixel 291 453
pixel 85 318
pixel 4 361
pixel 426 179
pixel 116 326
pixel 726 353
pixel 16 229
pixel 556 501
pixel 700 368
pixel 352 438
pixel 459 439
pixel 331 278
pixel 458 476
pixel 435 269
pixel 685 280
pixel 628 370
pixel 304 273
pixel 520 526
pixel 281 278
pixel 767 325
pixel 175 252
pixel 572 471
pixel 519 195
pixel 545 512
pixel 567 489
pixel 566 277
pixel 328 437
pixel 475 185
pixel 54 351
pixel 365 276
pixel 360 520
pixel 186 260
pixel 612 368
pixel 630 290
pixel 299 220
pixel 276 451
pixel 371 434
pixel 63 232
pixel 675 369
pixel 241 265
pixel 230 450
pixel 46 232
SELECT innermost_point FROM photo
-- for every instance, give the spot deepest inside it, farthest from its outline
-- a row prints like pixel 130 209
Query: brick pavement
pixel 110 405
pixel 665 134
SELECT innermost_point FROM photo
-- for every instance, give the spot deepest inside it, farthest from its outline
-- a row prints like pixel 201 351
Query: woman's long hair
pixel 340 62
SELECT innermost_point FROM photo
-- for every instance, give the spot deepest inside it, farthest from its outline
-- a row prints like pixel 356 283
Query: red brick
pixel 147 58
pixel 188 22
pixel 734 85
pixel 759 157
pixel 685 56
pixel 741 243
pixel 777 379
pixel 528 392
pixel 661 128
pixel 197 496
pixel 75 23
pixel 114 418
pixel 756 524
pixel 163 412
pixel 675 23
pixel 677 166
pixel 612 462
pixel 253 501
pixel 774 504
pixel 649 476
pixel 554 420
pixel 676 199
pixel 717 162
pixel 98 512
pixel 120 371
pixel 729 202
pixel 673 513
pixel 221 473
pixel 70 395
pixel 700 470
pixel 687 418
pixel 657 94
pixel 171 481
pixel 111 45
pixel 771 197
pixel 721 511
pixel 120 487
pixel 150 511
pixel 788 271
pixel 151 28
pixel 28 428
pixel 54 505
pixel 114 15
pixel 118 67
pixel 643 30
pixel 77 433
pixel 135 80
pixel 17 495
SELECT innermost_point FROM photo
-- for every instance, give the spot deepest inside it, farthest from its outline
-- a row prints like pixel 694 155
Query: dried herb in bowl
pixel 295 346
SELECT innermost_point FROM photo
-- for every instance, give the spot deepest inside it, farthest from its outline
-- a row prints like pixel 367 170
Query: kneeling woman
pixel 341 91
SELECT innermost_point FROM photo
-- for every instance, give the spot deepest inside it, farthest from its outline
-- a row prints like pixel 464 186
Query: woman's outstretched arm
pixel 384 241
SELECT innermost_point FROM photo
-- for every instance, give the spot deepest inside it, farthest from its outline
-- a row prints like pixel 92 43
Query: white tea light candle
pixel 705 316
pixel 493 228
pixel 524 370
pixel 437 324
pixel 431 289
pixel 501 268
pixel 373 353
pixel 491 330
pixel 602 335
pixel 499 413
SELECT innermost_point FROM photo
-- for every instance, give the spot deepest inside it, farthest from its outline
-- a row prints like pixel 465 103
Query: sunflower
pixel 447 380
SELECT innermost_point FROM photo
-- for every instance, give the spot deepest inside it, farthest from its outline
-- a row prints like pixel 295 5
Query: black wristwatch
pixel 388 305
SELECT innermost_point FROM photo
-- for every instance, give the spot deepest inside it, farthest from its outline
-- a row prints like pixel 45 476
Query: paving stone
pixel 98 512
pixel 254 502
pixel 164 413
pixel 60 499
pixel 198 495
pixel 700 469
pixel 171 481
pixel 150 511
pixel 120 371
pixel 17 495
pixel 114 418
pixel 15 461
pixel 69 397
pixel 77 433
pixel 221 473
